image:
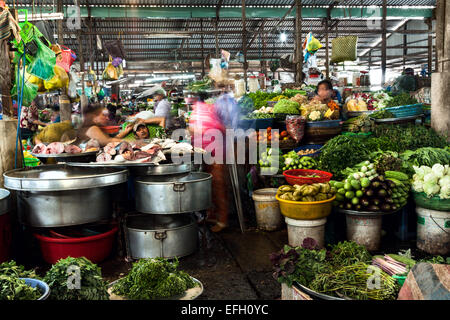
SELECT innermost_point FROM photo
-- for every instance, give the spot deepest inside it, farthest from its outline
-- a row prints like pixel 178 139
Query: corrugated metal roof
pixel 213 3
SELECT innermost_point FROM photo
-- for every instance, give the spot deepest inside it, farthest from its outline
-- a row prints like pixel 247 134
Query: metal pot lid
pixel 158 222
pixel 186 178
pixel 62 177
pixel 4 201
pixel 162 169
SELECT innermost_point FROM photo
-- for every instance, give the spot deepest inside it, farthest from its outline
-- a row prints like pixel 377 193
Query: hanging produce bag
pixel 91 78
pixel 36 81
pixel 117 62
pixel 59 80
pixel 44 62
pixel 65 58
pixel 30 90
pixel 115 48
pixel 110 72
pixel 295 126
pixel 72 89
pixel 344 49
pixel 56 48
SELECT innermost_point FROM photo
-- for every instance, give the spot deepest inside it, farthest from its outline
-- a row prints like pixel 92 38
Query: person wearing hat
pixel 139 128
pixel 405 83
pixel 162 106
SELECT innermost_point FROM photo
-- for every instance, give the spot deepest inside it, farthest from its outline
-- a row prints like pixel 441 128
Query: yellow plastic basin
pixel 306 210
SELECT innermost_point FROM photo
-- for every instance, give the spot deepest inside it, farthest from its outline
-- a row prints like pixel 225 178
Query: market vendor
pixel 139 128
pixel 162 106
pixel 405 83
pixel 94 117
pixel 325 92
pixel 29 120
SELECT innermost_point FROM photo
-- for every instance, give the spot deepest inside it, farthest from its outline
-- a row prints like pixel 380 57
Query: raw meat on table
pixel 72 149
pixel 39 149
pixel 102 157
pixel 55 148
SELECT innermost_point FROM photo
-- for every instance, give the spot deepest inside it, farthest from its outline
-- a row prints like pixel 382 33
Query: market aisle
pixel 235 266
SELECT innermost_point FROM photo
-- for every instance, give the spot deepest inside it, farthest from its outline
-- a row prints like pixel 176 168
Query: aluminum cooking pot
pixel 167 236
pixel 173 194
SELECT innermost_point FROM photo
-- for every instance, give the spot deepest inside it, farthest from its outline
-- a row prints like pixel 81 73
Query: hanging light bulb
pixel 283 37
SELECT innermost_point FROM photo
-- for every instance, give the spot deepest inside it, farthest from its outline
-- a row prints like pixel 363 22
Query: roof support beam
pixel 383 43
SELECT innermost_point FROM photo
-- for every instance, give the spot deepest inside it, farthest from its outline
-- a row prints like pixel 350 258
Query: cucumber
pixel 341 191
pixel 340 197
pixel 338 185
pixel 396 175
pixel 347 186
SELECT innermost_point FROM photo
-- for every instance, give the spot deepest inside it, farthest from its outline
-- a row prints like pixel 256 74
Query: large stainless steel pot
pixel 64 208
pixel 4 201
pixel 61 195
pixel 62 177
pixel 177 194
pixel 167 236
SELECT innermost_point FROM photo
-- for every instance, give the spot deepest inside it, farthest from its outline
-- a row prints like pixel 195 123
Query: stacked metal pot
pixel 54 196
pixel 166 198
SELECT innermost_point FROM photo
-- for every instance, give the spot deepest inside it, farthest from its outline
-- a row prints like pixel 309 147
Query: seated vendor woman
pixel 140 129
pixel 94 117
pixel 324 91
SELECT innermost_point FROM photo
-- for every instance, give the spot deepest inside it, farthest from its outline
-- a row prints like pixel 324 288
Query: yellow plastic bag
pixel 314 45
pixel 36 81
pixel 59 80
pixel 110 72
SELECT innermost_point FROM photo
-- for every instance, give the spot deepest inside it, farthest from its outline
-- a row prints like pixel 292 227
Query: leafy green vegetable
pixel 153 279
pixel 403 99
pixel 409 137
pixel 353 149
pixel 348 253
pixel 92 286
pixel 298 264
pixel 201 85
pixel 382 114
pixel 426 156
pixel 260 98
pixel 352 281
pixel 13 288
pixel 12 269
pixel 286 106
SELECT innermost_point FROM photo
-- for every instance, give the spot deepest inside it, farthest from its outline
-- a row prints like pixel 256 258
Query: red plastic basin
pixel 296 176
pixel 95 248
pixel 5 237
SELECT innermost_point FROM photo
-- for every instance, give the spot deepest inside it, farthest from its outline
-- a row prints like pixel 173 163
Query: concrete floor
pixel 233 265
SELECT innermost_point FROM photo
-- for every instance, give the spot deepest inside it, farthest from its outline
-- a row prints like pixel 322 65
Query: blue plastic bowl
pixel 310 146
pixel 41 285
pixel 406 111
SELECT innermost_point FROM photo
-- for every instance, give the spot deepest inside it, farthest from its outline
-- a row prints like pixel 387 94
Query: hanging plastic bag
pixel 72 89
pixel 117 62
pixel 110 72
pixel 65 58
pixel 56 48
pixel 115 48
pixel 30 90
pixel 59 80
pixel 295 126
pixel 91 78
pixel 44 62
pixel 344 49
pixel 36 81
